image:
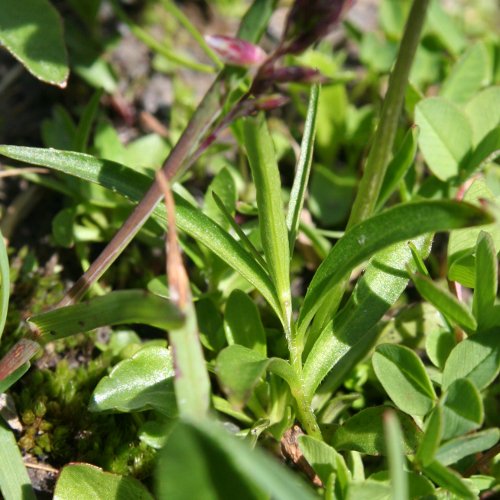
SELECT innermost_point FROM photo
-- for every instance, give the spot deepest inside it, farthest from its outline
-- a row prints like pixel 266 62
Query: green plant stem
pixel 380 152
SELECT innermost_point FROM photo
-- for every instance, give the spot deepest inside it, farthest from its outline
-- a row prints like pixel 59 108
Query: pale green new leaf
pixel 262 158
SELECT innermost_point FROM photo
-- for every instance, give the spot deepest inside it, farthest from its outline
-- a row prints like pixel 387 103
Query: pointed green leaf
pixel 486 285
pixel 364 432
pixel 115 308
pixel 485 152
pixel 351 335
pixel 445 302
pixel 456 449
pixel 395 224
pixel 432 437
pixel 14 480
pixel 88 482
pixel 223 186
pixel 395 456
pixel 403 376
pixel 32 32
pixel 448 479
pixel 476 358
pixel 202 460
pixel 445 135
pixel 462 409
pixel 266 176
pixel 142 382
pixel 297 195
pixel 132 185
pixel 242 323
pixel 399 165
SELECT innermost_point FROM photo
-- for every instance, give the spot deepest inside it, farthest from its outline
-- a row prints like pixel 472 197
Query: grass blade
pixel 132 185
pixel 115 308
pixel 396 224
pixel 86 121
pixel 395 457
pixel 298 192
pixel 262 158
pixel 14 480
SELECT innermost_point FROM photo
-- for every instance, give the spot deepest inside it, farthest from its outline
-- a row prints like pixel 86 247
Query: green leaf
pixel 395 224
pixel 446 303
pixel 223 186
pixel 476 358
pixel 364 432
pixel 445 28
pixel 11 379
pixel 203 461
pixel 301 179
pixel 369 490
pixel 438 345
pixel 191 383
pixel 463 270
pixel 486 285
pixel 115 308
pixel 322 457
pixel 399 165
pixel 14 480
pixel 32 32
pixel 4 284
pixel 464 241
pixel 456 449
pixel 142 382
pixel 448 480
pixel 432 437
pixel 403 376
pixel 468 75
pixel 462 409
pixel 395 456
pixel 62 227
pixel 88 482
pixel 242 323
pixel 239 370
pixel 445 135
pixel 86 122
pixel 351 335
pixel 266 176
pixel 483 113
pixel 132 185
pixel 485 152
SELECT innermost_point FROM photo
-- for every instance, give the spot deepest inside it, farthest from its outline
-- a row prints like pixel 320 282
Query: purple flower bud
pixel 268 102
pixel 235 51
pixel 310 20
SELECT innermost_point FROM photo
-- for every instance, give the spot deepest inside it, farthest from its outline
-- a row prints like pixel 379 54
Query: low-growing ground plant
pixel 329 282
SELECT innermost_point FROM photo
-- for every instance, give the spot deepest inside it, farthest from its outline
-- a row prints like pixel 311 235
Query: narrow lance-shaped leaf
pixel 399 165
pixel 396 224
pixel 350 336
pixel 14 480
pixel 445 302
pixel 395 456
pixel 304 163
pixel 262 158
pixel 486 282
pixel 431 438
pixel 115 308
pixel 132 185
